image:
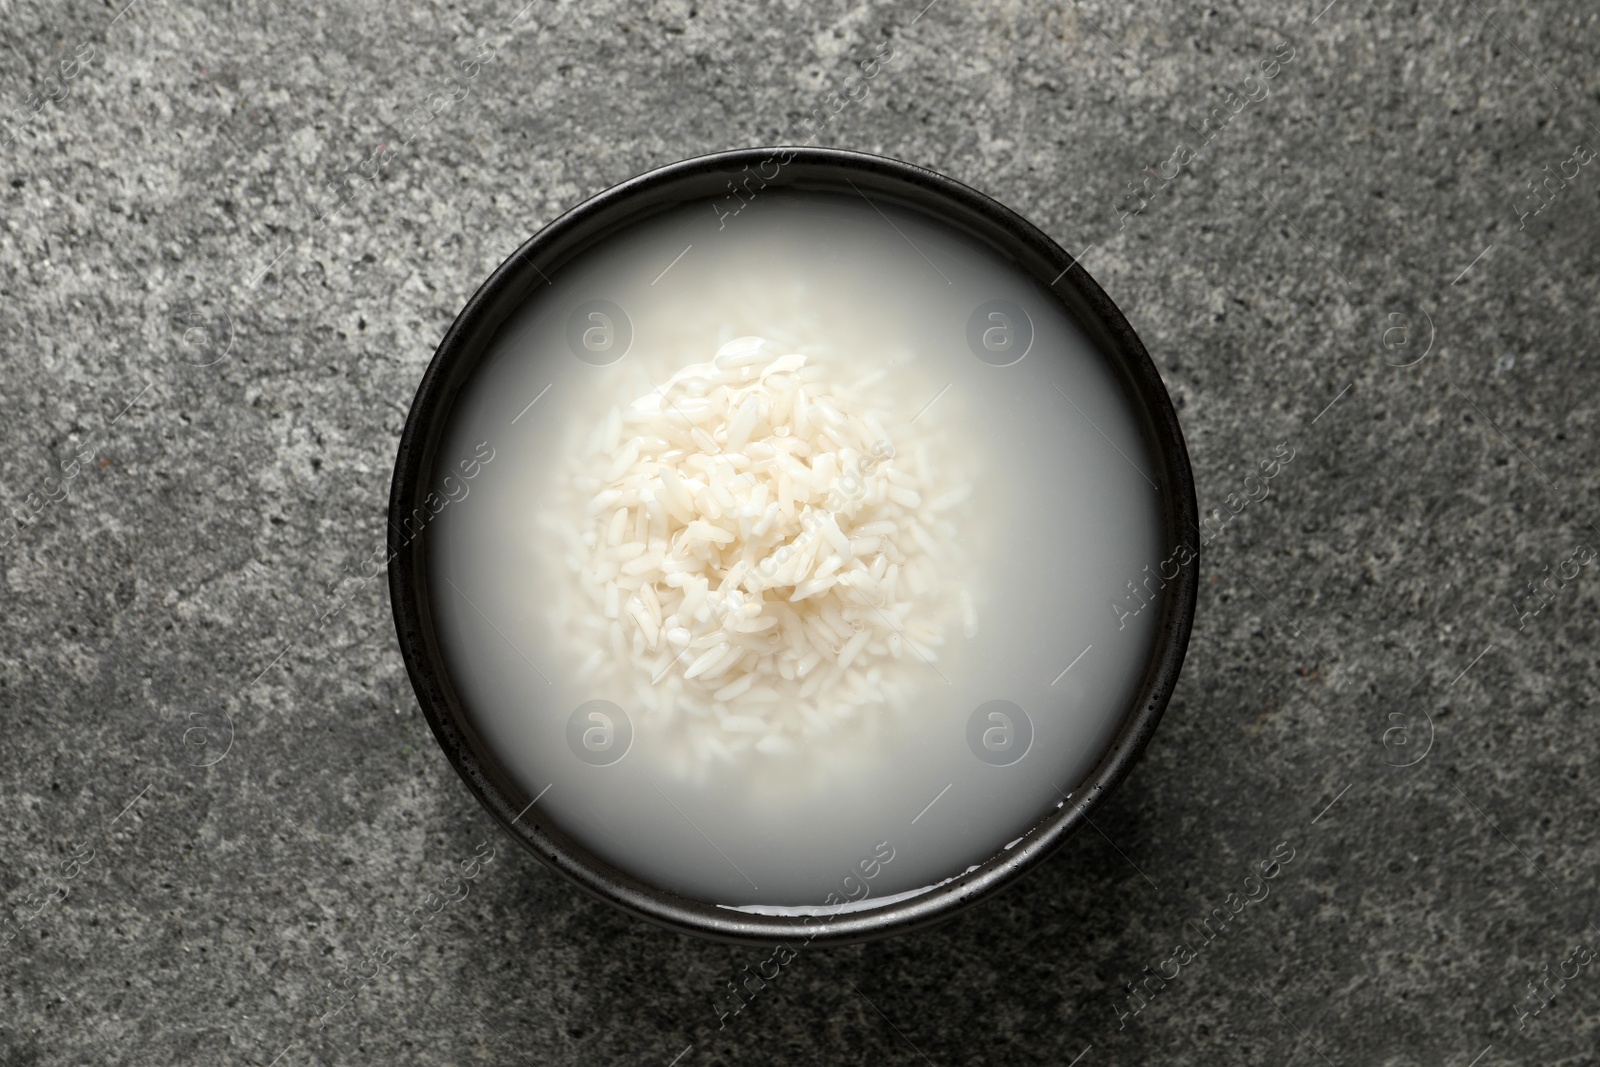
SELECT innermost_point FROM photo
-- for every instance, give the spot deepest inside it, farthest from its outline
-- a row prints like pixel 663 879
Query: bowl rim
pixel 804 169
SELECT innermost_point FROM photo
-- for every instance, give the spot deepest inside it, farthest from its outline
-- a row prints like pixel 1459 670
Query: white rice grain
pixel 747 538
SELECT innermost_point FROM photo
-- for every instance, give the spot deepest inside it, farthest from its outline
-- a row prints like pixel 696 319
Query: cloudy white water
pixel 1061 519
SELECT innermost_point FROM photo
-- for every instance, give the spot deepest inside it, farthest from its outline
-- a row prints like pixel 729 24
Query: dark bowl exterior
pixel 804 170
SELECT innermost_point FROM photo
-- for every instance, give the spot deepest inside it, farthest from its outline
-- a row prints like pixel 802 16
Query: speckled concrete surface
pixel 206 367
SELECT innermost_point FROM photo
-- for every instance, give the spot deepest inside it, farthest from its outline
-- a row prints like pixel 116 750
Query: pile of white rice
pixel 763 555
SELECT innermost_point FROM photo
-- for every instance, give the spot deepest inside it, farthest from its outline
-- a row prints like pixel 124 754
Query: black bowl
pixel 810 170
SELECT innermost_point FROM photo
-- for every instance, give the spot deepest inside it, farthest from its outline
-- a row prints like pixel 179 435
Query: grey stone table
pixel 212 321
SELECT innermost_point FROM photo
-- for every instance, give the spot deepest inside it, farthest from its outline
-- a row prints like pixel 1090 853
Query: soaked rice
pixel 763 555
